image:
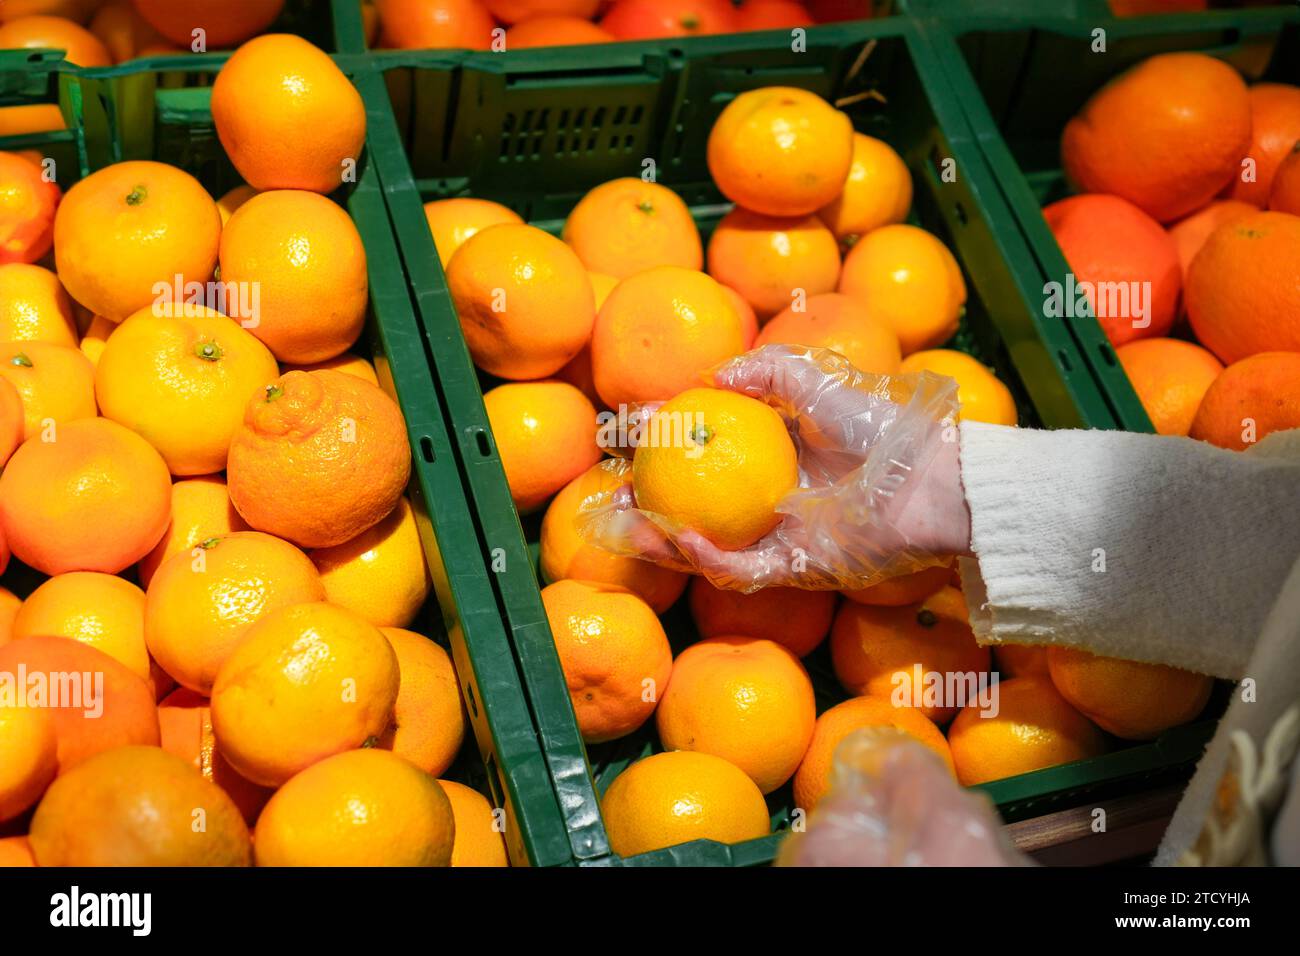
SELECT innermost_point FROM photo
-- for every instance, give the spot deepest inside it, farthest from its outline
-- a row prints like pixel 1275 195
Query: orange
pixel 303 255
pixel 1167 134
pixel 27 203
pixel 1019 660
pixel 1190 232
pixel 113 709
pixel 797 620
pixel 525 302
pixel 381 573
pixel 513 11
pixel 77 11
pixel 980 393
pixel 721 464
pixel 566 554
pixel 452 221
pixel 578 371
pixel 157 220
pixel 101 610
pixel 1170 377
pixel 1034 728
pixel 12 419
pixel 1129 699
pixel 15 851
pixel 434 24
pixel 909 280
pixel 554 31
pixel 1121 253
pixel 185 729
pixel 29 757
pixel 676 797
pixel 231 200
pixel 428 725
pixel 9 605
pixel 34 307
pixel 771 15
pixel 180 376
pixel 95 499
pixel 307 681
pixel 878 191
pixel 748 318
pixel 545 433
pixel 321 457
pixel 287 117
pixel 780 151
pixel 658 332
pixel 200 510
pixel 614 653
pixel 653 19
pixel 902 589
pixel 95 338
pixel 813 778
pixel 30 118
pixel 1285 196
pixel 56 384
pixel 201 602
pixel 479 840
pixel 347 363
pixel 123 31
pixel 225 23
pixel 744 699
pixel 1250 399
pixel 842 324
pixel 369 23
pixel 773 263
pixel 78 44
pixel 1243 287
pixel 360 808
pixel 629 225
pixel 1275 128
pixel 881 652
pixel 137 806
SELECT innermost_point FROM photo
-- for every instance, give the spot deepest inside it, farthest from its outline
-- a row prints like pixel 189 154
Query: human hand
pixel 879 485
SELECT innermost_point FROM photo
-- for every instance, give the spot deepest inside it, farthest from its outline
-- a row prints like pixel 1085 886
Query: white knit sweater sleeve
pixel 1143 547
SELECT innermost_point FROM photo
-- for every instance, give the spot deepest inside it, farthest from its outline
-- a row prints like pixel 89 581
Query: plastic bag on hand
pixel 863 441
pixel 892 802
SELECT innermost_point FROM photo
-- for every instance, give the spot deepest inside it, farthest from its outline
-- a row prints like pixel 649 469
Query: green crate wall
pixel 531 130
pixel 124 113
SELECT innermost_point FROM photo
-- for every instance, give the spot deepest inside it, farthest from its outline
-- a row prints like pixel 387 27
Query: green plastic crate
pixel 125 113
pixel 1018 115
pixel 534 133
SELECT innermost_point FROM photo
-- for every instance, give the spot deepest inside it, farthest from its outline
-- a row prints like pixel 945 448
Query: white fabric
pixel 1199 546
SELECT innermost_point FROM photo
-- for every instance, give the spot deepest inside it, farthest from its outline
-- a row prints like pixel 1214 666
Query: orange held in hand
pixel 614 653
pixel 658 332
pixel 721 464
pixel 1167 134
pixel 301 257
pixel 95 498
pixel 27 204
pixel 181 376
pixel 744 699
pixel 525 302
pixel 1250 399
pixel 307 681
pixel 628 225
pixel 287 117
pixel 321 457
pixel 159 224
pixel 780 151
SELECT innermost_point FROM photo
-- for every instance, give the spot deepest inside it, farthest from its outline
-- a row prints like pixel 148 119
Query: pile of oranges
pixel 1189 209
pixel 630 305
pixel 216 498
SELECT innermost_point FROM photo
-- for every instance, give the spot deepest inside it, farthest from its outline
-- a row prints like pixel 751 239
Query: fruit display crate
pixel 125 113
pixel 511 129
pixel 1017 116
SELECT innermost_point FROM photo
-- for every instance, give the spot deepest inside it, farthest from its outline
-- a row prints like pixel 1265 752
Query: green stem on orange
pixel 137 195
pixel 208 351
pixel 21 359
pixel 273 392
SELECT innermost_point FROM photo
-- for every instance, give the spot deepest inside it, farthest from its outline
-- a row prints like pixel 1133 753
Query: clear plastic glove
pixel 893 803
pixel 879 486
